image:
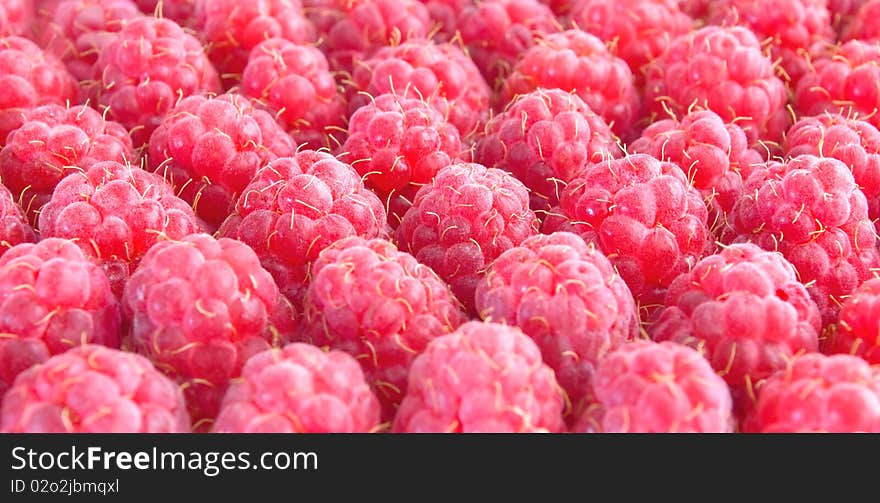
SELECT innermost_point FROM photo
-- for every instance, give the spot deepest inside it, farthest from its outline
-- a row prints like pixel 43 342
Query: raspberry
pixel 182 12
pixel 643 215
pixel 297 206
pixel 568 298
pixel 93 389
pixel 398 144
pixel 299 389
pixel 146 68
pixel 16 17
pixel 854 142
pixel 715 155
pixel 649 387
pixel 350 30
pixel 229 29
pixel 863 25
pixel 14 228
pixel 442 74
pixel 789 27
pixel 560 7
pixel 844 80
pixel 497 32
pixel 294 83
pixel 816 393
pixel 639 31
pixel 444 16
pixel 577 61
pixel 696 9
pixel 210 148
pixel 53 142
pixel 745 310
pixel 51 299
pixel 842 11
pixel 810 209
pixel 199 308
pixel 381 306
pixel 545 138
pixel 722 69
pixel 858 325
pixel 463 220
pixel 116 213
pixel 76 30
pixel 29 78
pixel 483 377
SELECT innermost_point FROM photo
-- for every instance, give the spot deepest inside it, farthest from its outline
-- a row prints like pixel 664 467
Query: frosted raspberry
pixel 16 17
pixel 649 387
pixel 381 306
pixel 93 389
pixel 722 69
pixel 577 61
pixel 858 325
pixel 14 228
pixel 299 389
pixel 714 154
pixel 351 30
pixel 29 78
pixel 568 298
pixel 497 32
pixel 53 142
pixel 146 68
pixel 816 393
pixel 811 210
pixel 442 74
pixel 209 148
pixel 398 144
pixel 116 213
pixel 199 308
pixel 231 28
pixel 483 377
pixel 294 83
pixel 51 299
pixel 639 31
pixel 75 30
pixel 643 215
pixel 864 24
pixel 545 138
pixel 182 12
pixel 746 311
pixel 297 206
pixel 463 220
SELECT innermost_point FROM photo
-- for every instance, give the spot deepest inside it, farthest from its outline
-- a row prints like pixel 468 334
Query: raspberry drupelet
pixel 94 389
pixel 858 325
pixel 16 17
pixel 181 12
pixel 14 227
pixel 863 23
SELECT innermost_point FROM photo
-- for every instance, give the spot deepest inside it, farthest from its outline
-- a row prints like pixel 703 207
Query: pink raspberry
pixel 864 24
pixel 483 377
pixel 568 298
pixel 16 17
pixel 723 69
pixel 381 306
pixel 182 12
pixel 441 74
pixel 299 389
pixel 639 31
pixel 398 144
pixel 199 308
pixel 577 61
pixel 53 142
pixel 843 79
pixel 858 324
pixel 52 298
pixel 746 311
pixel 351 30
pixel 29 78
pixel 714 154
pixel 810 209
pixel 497 32
pixel 294 83
pixel 545 138
pixel 297 206
pixel 93 389
pixel 116 213
pixel 816 393
pixel 75 30
pixel 229 29
pixel 643 215
pixel 209 148
pixel 463 220
pixel 14 228
pixel 444 16
pixel 145 69
pixel 650 387
pixel 842 11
